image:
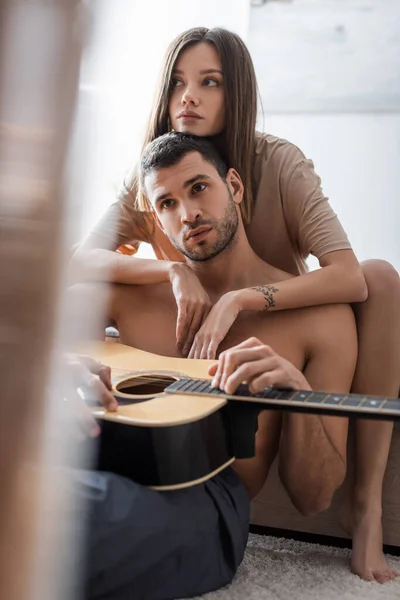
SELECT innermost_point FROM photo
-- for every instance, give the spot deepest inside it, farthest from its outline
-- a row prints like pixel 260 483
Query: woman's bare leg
pixel 377 372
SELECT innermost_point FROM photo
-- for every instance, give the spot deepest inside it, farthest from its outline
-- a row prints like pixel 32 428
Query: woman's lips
pixel 190 119
pixel 189 116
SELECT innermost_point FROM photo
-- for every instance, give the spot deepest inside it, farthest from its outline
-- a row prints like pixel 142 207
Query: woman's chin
pixel 200 130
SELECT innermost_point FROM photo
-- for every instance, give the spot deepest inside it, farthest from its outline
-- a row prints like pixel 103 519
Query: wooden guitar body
pixel 172 430
pixel 159 440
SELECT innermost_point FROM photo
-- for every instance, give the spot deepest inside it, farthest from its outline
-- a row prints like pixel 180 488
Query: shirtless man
pixel 196 200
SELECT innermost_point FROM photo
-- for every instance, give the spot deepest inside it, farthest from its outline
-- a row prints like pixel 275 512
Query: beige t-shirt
pixel 291 217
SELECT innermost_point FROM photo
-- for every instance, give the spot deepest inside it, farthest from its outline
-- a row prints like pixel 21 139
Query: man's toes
pixel 396 573
pixel 364 574
pixel 386 575
pixel 382 577
pixel 393 573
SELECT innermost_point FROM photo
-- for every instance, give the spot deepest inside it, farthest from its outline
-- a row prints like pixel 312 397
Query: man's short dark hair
pixel 169 149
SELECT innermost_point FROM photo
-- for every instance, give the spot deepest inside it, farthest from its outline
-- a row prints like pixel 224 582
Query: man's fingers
pixel 247 372
pixel 106 397
pixel 96 368
pixel 269 379
pixel 92 389
pixel 229 360
pixel 90 363
pixel 86 424
pixel 213 369
pixel 243 374
pixel 216 382
pixel 240 356
pixel 105 376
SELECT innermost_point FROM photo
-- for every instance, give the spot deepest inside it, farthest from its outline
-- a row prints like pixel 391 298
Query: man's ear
pixel 235 185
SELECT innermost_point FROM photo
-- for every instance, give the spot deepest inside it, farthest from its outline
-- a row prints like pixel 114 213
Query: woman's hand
pixel 193 304
pixel 216 326
pixel 256 364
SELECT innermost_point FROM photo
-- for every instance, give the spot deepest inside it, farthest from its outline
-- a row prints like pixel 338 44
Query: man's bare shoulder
pixel 143 295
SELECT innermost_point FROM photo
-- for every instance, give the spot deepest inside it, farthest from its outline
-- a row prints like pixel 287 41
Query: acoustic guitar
pixel 172 430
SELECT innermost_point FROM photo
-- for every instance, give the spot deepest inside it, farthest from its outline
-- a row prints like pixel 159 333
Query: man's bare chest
pixel 154 330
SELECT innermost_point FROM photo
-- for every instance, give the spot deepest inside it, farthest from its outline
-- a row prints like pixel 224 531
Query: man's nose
pixel 190 213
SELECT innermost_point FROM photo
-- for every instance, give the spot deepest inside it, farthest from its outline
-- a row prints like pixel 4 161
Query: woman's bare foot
pixel 368 560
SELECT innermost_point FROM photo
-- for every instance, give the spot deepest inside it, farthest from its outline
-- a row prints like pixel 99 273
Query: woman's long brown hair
pixel 237 141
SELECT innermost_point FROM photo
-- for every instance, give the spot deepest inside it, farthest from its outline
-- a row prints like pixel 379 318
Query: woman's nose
pixel 190 97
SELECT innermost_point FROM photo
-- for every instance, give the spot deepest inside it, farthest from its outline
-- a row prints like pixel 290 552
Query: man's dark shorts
pixel 148 545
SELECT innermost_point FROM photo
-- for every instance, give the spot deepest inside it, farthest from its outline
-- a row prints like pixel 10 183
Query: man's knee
pixel 312 493
pixel 310 505
pixel 381 278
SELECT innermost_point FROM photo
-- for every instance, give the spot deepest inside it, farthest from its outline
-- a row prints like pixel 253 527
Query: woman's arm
pixel 315 229
pixel 96 258
pixel 339 281
pixel 100 264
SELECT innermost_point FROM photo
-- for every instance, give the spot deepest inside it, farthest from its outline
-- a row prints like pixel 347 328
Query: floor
pixel 282 569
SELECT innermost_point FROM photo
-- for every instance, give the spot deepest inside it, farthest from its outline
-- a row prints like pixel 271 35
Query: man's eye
pixel 198 187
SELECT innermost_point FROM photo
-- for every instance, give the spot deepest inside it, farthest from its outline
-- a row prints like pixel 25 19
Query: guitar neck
pixel 298 400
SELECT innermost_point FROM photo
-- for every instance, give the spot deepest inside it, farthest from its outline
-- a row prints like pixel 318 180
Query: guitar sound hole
pixel 142 387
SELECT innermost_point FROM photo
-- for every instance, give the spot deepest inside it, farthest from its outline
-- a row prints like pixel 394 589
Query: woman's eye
pixel 210 82
pixel 176 83
pixel 198 187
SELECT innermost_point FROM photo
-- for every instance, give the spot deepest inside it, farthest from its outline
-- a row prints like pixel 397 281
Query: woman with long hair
pixel 208 87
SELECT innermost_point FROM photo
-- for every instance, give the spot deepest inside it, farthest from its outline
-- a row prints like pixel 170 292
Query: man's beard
pixel 225 228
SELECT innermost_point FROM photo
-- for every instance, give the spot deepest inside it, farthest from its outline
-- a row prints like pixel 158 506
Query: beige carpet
pixel 280 569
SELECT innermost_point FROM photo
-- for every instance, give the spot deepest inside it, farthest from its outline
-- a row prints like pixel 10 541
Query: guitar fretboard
pixel 340 404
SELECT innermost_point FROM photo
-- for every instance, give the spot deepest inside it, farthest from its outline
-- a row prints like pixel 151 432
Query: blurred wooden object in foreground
pixel 40 47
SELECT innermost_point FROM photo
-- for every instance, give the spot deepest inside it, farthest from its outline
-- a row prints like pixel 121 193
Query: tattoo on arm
pixel 268 292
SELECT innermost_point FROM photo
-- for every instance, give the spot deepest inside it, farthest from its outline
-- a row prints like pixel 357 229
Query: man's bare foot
pixel 368 560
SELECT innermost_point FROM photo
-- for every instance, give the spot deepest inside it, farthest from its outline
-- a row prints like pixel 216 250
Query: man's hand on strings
pixel 256 364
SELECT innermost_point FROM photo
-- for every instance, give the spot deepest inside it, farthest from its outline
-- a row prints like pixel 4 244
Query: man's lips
pixel 196 233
